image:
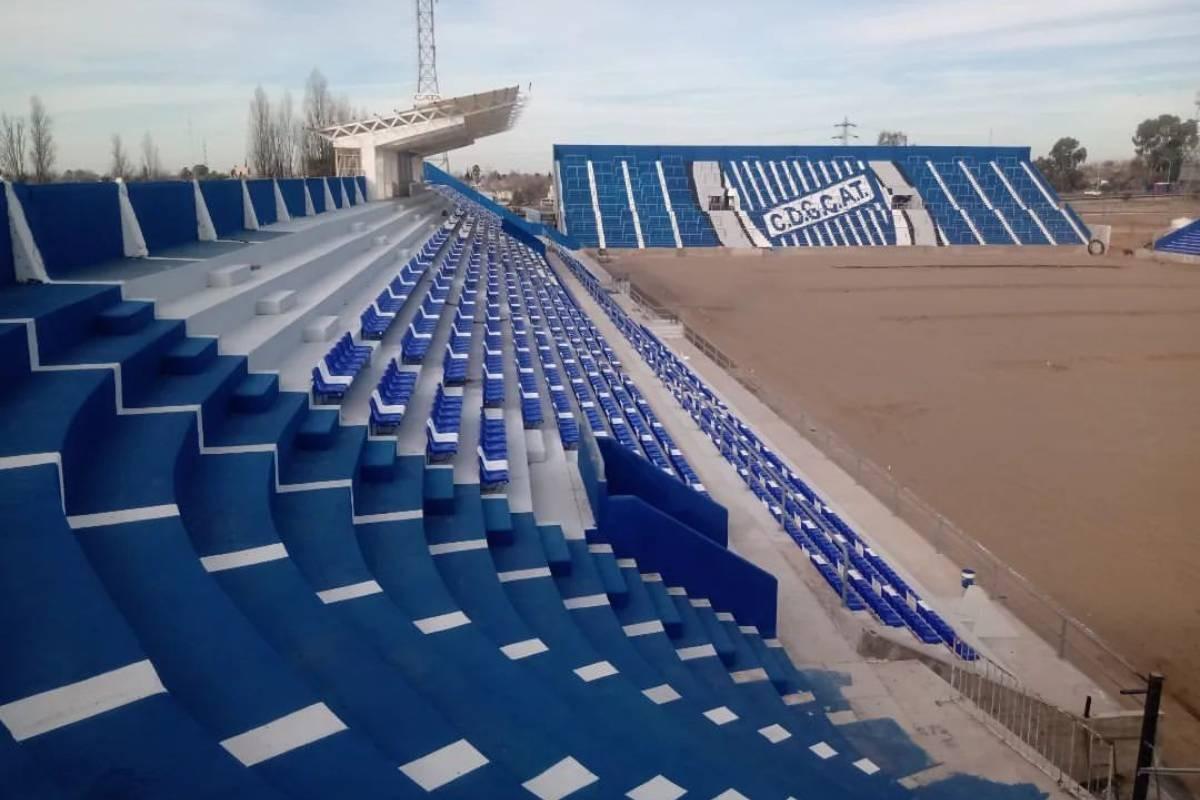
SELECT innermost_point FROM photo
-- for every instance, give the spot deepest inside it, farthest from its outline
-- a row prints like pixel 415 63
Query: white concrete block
pixel 230 275
pixel 320 329
pixel 276 302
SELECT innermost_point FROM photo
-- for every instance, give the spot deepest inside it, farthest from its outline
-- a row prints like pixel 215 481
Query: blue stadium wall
pixel 76 226
pixel 796 196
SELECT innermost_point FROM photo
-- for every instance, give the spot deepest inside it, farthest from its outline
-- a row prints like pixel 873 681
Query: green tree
pixel 1163 143
pixel 1062 166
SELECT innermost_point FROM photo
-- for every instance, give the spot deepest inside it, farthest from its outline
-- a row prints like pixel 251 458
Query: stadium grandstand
pixel 364 486
pixel 636 197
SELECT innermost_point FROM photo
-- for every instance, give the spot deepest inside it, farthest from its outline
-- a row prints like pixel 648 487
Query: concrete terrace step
pixel 276 302
pixel 190 357
pixel 300 235
pixel 321 329
pixel 256 393
pixel 230 275
pixel 128 316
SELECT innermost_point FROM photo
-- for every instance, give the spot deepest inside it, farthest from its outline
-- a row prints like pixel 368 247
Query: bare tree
pixel 41 141
pixel 120 166
pixel 318 113
pixel 151 164
pixel 12 148
pixel 286 133
pixel 261 145
pixel 892 139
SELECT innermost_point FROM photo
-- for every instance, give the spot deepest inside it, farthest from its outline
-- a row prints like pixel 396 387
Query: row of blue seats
pixel 795 505
pixel 445 420
pixel 1185 240
pixel 338 368
pixel 632 423
pixel 389 400
pixel 493 449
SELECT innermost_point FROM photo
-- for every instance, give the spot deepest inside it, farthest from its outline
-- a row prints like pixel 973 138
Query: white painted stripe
pixel 700 602
pixel 651 577
pixel 644 628
pixel 637 223
pixel 124 516
pixel 433 771
pixel 732 794
pixel 775 733
pixel 698 651
pixel 591 171
pixel 244 558
pixel 662 182
pixel 798 698
pixel 315 486
pixel 457 547
pixel 441 622
pixel 721 715
pixel 627 563
pixel 867 765
pixel 523 574
pixel 284 734
pixel 823 750
pixel 766 181
pixel 586 601
pixel 30 460
pixel 661 694
pixel 600 548
pixel 725 616
pixel 677 591
pixel 657 788
pixel 749 629
pixel 773 643
pixel 390 516
pixel 561 780
pixel 524 649
pixel 596 671
pixel 52 709
pixel 749 675
pixel 349 592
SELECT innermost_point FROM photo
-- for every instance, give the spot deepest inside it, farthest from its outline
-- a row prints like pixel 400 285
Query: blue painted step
pixel 379 461
pixel 439 490
pixel 319 430
pixel 610 576
pixel 665 608
pixel 554 545
pixel 128 316
pixel 190 357
pixel 497 518
pixel 257 392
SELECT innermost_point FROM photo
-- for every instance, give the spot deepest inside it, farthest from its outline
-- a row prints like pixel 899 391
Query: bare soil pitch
pixel 1046 402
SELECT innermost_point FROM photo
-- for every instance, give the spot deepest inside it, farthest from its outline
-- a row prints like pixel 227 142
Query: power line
pixel 845 135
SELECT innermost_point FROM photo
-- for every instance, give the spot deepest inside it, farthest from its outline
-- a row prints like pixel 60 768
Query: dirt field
pixel 1049 404
pixel 1136 221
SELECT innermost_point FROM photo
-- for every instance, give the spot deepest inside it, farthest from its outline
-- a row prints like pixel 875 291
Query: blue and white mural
pixel 808 197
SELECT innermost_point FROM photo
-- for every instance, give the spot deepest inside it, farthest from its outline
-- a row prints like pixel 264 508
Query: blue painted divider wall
pixel 362 185
pixel 7 270
pixel 262 195
pixel 590 469
pixel 628 474
pixel 348 183
pixel 74 224
pixel 334 192
pixel 166 211
pixel 316 190
pixel 224 201
pixel 522 235
pixel 685 558
pixel 1175 240
pixel 292 190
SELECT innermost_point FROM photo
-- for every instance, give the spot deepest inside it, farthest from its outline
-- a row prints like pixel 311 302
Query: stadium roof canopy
pixel 434 127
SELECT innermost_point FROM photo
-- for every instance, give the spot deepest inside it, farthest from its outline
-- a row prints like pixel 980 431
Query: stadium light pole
pixel 1149 735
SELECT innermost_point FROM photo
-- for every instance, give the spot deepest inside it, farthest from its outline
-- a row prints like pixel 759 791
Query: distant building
pixel 239 171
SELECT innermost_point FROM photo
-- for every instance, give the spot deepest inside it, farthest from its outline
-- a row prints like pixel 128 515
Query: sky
pixel 966 72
